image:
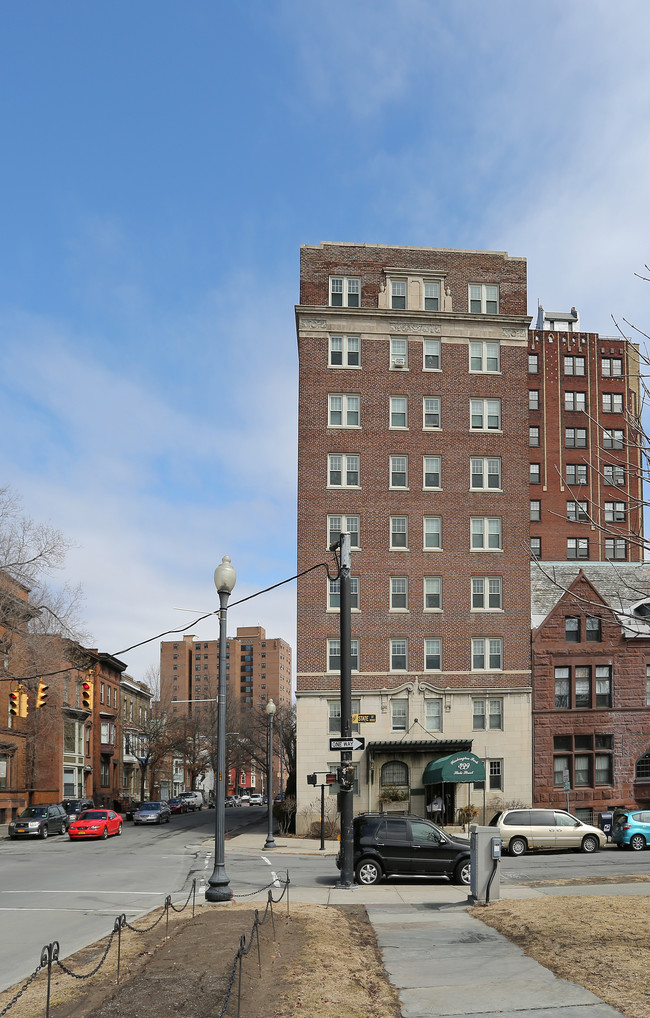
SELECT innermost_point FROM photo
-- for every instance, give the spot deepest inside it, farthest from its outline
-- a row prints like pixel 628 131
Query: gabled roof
pixel 621 585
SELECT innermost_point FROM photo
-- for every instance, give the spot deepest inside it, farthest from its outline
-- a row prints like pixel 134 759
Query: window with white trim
pixel 433 654
pixel 574 366
pixel 485 414
pixel 533 436
pixel 615 512
pixel 399 532
pixel 345 352
pixel 535 513
pixel 533 363
pixel 433 714
pixel 577 547
pixel 431 355
pixel 483 299
pixel 485 472
pixel 399 593
pixel 432 593
pixel 399 471
pixel 432 296
pixel 486 533
pixel 575 400
pixel 337 525
pixel 431 472
pixel 432 532
pixel 614 474
pixel 612 402
pixel 399 658
pixel 342 470
pixel 616 548
pixel 575 438
pixel 344 410
pixel 399 715
pixel 334 655
pixel 345 291
pixel 577 512
pixel 576 473
pixel 533 399
pixel 398 294
pixel 484 357
pixel 487 593
pixel 495 775
pixel 613 438
pixel 334 711
pixel 487 654
pixel 334 594
pixel 430 412
pixel 398 412
pixel 612 367
pixel 487 714
pixel 534 473
pixel 536 547
pixel 399 352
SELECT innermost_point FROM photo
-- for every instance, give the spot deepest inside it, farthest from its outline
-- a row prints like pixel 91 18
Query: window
pixel 615 548
pixel 593 629
pixel 431 412
pixel 577 547
pixel 485 533
pixel 485 414
pixel 495 774
pixel 432 593
pixel 483 299
pixel 534 473
pixel 345 352
pixel 334 594
pixel 582 686
pixel 344 411
pixel 487 714
pixel 577 512
pixel 603 686
pixel 394 773
pixel 342 471
pixel 399 714
pixel 432 296
pixel 614 473
pixel 486 593
pixel 399 471
pixel 487 654
pixel 336 525
pixel 572 629
pixel 615 512
pixel 574 366
pixel 588 758
pixel 433 654
pixel 536 547
pixel 575 438
pixel 431 354
pixel 485 473
pixel 345 291
pixel 576 473
pixel 398 655
pixel 398 412
pixel 612 403
pixel 399 532
pixel 612 367
pixel 484 357
pixel 398 294
pixel 334 655
pixel 533 364
pixel 535 513
pixel 574 401
pixel 533 399
pixel 562 688
pixel 433 714
pixel 399 597
pixel 431 472
pixel 533 436
pixel 334 708
pixel 398 353
pixel 614 438
pixel 432 532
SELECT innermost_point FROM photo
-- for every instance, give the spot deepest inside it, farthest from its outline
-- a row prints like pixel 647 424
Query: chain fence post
pixel 168 901
pixel 120 921
pixel 242 944
pixel 49 954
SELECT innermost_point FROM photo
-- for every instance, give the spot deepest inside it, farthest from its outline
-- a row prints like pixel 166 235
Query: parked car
pixel 178 805
pixel 521 829
pixel 152 813
pixel 245 799
pixel 387 845
pixel 233 801
pixel 632 828
pixel 256 799
pixel 95 823
pixel 194 800
pixel 74 807
pixel 132 808
pixel 39 822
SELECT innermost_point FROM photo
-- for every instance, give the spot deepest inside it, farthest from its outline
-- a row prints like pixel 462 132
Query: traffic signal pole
pixel 347 794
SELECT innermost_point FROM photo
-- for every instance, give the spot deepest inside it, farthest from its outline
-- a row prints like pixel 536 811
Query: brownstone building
pixel 413 438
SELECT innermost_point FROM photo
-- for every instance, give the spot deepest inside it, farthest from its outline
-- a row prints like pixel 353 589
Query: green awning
pixel 454 768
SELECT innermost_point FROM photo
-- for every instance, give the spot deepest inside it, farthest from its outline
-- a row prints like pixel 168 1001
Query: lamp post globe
pixel 270 843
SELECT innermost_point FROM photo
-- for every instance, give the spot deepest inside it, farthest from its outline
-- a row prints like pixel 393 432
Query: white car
pixel 193 799
pixel 245 799
pixel 256 799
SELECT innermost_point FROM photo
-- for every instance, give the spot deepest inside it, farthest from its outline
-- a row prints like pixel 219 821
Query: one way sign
pixel 353 743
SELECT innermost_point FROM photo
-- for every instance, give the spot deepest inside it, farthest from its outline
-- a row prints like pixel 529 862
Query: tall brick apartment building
pixel 413 426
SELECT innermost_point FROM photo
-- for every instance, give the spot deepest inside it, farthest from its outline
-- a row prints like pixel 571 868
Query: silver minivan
pixel 521 829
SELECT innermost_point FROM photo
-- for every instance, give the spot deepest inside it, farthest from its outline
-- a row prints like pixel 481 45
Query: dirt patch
pixel 322 962
pixel 601 943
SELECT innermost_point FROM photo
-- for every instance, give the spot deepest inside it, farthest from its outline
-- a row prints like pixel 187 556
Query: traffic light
pixel 24 705
pixel 14 703
pixel 41 696
pixel 87 695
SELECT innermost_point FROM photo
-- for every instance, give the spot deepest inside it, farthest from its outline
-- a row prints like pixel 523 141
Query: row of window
pixel 577 511
pixel 344 471
pixel 486 593
pixel 344 411
pixel 583 760
pixel 578 473
pixel 345 292
pixel 486 655
pixel 578 548
pixel 576 438
pixel 487 714
pixel 583 686
pixel 485 532
pixel 576 366
pixel 484 355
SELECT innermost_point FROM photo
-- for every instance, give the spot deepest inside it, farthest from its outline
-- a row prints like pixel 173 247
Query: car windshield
pixel 93 814
pixel 150 807
pixel 34 811
pixel 71 804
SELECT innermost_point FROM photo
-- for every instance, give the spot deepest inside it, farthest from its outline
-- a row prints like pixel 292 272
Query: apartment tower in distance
pixel 413 439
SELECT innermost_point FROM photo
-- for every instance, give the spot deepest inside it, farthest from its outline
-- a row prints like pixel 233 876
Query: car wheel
pixel 43 832
pixel 368 872
pixel 105 834
pixel 589 844
pixel 637 842
pixel 517 846
pixel 462 872
pixel 119 830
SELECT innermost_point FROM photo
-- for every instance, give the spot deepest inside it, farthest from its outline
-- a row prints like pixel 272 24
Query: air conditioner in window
pixel 399 362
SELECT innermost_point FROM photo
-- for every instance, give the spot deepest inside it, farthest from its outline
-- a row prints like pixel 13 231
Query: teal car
pixel 632 828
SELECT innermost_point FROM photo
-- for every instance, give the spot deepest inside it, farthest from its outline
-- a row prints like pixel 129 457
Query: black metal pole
pixel 218 885
pixel 347 796
pixel 270 843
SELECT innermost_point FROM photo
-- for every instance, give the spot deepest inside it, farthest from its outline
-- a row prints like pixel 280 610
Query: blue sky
pixel 162 164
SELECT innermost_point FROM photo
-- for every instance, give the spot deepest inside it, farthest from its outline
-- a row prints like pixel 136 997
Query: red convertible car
pixel 95 823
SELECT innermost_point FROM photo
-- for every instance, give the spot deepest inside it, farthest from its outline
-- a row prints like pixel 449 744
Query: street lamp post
pixel 270 843
pixel 218 888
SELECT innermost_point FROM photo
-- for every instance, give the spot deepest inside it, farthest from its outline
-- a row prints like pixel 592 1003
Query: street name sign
pixel 361 719
pixel 354 743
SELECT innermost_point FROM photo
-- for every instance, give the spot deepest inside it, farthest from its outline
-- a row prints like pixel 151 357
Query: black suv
pixel 74 807
pixel 388 845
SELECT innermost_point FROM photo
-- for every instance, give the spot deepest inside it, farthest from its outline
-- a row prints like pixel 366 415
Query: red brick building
pixel 413 438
